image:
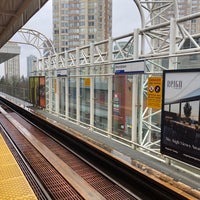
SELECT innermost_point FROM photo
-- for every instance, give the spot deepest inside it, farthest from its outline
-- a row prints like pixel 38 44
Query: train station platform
pixel 13 184
pixel 188 178
pixel 184 179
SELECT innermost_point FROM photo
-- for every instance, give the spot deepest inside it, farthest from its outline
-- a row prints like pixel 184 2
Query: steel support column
pixel 91 85
pixel 110 85
pixel 77 86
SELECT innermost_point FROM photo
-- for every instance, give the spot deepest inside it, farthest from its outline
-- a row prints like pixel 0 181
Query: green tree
pixel 187 109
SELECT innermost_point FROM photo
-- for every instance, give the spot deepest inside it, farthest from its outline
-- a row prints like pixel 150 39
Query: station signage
pixel 154 93
pixel 180 128
pixel 87 82
pixel 136 66
pixel 62 73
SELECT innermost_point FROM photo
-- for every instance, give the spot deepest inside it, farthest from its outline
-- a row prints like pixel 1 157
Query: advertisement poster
pixel 34 90
pixel 37 91
pixel 180 132
pixel 42 102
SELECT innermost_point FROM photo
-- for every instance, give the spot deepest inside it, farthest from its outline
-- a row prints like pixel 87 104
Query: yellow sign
pixel 87 82
pixel 154 99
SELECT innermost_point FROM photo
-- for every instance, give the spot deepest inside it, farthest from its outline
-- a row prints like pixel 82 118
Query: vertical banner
pixel 180 132
pixel 154 94
pixel 37 91
pixel 42 92
pixel 31 90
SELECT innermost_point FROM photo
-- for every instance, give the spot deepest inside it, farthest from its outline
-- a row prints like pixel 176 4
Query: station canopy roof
pixel 14 14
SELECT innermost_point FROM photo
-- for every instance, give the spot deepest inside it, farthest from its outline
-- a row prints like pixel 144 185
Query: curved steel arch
pixel 38 40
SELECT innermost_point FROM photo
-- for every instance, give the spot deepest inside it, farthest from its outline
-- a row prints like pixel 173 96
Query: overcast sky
pixel 125 20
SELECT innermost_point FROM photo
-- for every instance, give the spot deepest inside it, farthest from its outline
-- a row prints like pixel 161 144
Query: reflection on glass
pixel 62 95
pixel 100 102
pixel 54 83
pixel 72 98
pixel 122 105
pixel 85 100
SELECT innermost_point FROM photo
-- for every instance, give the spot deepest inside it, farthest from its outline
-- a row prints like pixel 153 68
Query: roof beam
pixel 7 12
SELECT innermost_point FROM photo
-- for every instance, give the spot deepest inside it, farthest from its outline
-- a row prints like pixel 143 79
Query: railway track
pixel 69 168
pixel 63 174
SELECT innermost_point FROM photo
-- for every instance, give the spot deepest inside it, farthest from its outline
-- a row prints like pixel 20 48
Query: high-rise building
pixel 80 22
pixel 30 64
pixel 12 66
pixel 187 7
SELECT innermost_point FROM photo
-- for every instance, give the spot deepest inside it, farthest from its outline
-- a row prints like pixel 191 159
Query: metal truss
pixel 38 40
pixel 156 12
pixel 165 35
pixel 161 36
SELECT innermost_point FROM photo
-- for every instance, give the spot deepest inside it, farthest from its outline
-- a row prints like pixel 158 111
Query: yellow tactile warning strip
pixel 13 184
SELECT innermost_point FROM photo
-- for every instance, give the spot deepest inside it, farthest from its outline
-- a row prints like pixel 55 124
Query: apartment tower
pixel 185 8
pixel 188 7
pixel 80 22
pixel 12 66
pixel 30 64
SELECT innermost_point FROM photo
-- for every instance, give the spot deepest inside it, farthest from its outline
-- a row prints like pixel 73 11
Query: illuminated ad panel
pixel 180 132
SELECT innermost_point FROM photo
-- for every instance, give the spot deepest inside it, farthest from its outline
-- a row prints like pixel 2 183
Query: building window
pixel 82 36
pixel 91 17
pixel 56 31
pixel 82 23
pixel 91 36
pixel 64 30
pixel 193 57
pixel 90 23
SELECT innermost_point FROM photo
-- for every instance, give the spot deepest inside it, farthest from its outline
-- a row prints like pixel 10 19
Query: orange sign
pixel 87 82
pixel 154 99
